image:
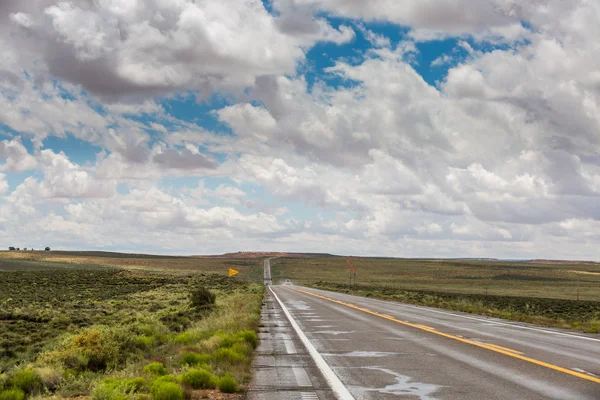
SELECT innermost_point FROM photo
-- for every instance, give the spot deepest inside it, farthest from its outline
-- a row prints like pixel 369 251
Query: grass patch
pixel 12 394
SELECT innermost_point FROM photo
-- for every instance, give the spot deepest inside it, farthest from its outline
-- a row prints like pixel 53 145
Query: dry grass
pixel 561 280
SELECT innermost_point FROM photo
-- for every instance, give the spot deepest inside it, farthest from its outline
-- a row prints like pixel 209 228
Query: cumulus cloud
pixel 15 157
pixel 65 179
pixel 433 18
pixel 133 48
pixel 499 159
pixel 3 184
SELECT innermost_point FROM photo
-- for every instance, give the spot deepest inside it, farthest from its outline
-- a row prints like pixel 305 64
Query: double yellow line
pixel 487 346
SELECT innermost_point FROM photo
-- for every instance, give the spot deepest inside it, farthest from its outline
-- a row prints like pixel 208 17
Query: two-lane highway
pixel 380 350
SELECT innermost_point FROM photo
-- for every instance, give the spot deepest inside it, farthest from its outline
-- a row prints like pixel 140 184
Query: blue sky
pixel 320 126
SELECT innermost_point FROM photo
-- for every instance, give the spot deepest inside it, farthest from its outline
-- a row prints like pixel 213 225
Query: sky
pixel 414 128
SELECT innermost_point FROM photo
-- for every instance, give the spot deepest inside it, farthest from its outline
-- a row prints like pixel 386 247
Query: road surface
pixel 389 350
pixel 267 271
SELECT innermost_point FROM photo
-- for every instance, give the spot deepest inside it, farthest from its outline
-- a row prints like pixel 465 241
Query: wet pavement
pixel 433 354
pixel 283 368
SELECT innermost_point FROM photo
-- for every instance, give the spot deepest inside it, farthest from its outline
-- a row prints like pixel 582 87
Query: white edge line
pixel 425 308
pixel 339 390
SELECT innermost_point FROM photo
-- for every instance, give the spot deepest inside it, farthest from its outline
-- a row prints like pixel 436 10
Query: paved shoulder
pixel 283 368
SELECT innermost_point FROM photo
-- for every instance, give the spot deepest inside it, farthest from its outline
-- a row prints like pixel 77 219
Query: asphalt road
pixel 267 271
pixel 389 350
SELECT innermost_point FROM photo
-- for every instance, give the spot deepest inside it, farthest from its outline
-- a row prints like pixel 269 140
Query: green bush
pixel 133 385
pixel 229 355
pixel 226 340
pixel 27 380
pixel 145 342
pixel 202 298
pixel 12 394
pixel 195 358
pixel 167 391
pixel 118 389
pixel 227 384
pixel 198 379
pixel 163 379
pixel 96 346
pixel 249 337
pixel 155 368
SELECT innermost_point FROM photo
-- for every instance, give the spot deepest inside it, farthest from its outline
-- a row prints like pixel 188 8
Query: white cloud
pixel 444 59
pixel 132 49
pixel 65 179
pixel 3 184
pixel 499 160
pixel 15 157
pixel 433 19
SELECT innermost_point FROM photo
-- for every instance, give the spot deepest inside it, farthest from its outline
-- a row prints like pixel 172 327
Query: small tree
pixel 11 248
pixel 47 249
pixel 202 298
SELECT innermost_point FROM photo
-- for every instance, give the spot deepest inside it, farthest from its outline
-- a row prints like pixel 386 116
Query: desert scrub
pixel 165 390
pixel 126 351
pixel 198 378
pixel 155 368
pixel 76 297
pixel 12 394
pixel 116 389
pixel 26 380
pixel 192 358
pixel 201 298
pixel 95 349
pixel 227 384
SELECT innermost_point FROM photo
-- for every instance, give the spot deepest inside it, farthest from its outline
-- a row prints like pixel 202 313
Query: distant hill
pixel 109 254
pixel 544 261
pixel 265 254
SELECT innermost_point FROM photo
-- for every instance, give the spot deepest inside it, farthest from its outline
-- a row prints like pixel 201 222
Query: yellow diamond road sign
pixel 233 272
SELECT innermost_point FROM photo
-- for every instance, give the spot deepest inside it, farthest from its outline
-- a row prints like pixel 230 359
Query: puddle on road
pixel 324 326
pixel 364 354
pixel 332 332
pixel 298 305
pixel 404 386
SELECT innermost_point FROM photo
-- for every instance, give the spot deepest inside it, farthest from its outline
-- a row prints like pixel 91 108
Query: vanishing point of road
pixel 373 349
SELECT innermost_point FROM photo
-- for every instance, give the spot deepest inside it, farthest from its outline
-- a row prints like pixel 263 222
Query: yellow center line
pixel 491 347
pixel 504 348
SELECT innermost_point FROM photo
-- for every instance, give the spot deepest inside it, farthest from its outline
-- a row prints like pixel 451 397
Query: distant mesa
pixel 266 254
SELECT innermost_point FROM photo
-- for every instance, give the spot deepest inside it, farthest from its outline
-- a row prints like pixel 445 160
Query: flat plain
pixel 61 313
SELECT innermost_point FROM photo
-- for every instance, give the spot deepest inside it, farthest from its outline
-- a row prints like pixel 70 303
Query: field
pixel 86 326
pixel 43 259
pixel 530 279
pixel 560 294
pixel 114 326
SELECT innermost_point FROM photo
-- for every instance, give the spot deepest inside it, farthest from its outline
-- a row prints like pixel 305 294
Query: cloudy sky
pixel 437 128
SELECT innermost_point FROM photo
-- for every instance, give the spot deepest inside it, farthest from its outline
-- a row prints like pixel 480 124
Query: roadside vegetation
pixel 559 294
pixel 570 314
pixel 112 334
